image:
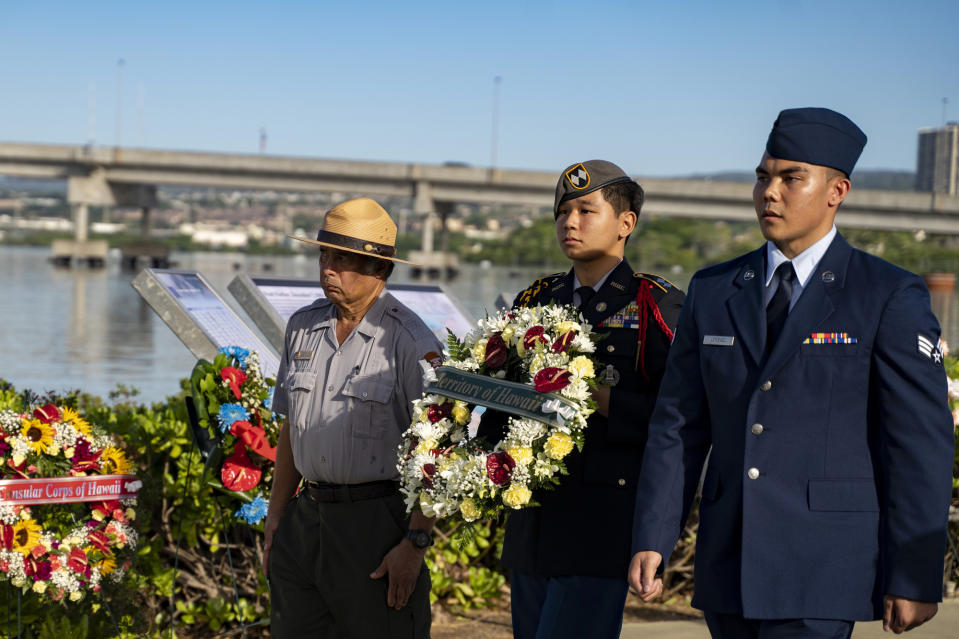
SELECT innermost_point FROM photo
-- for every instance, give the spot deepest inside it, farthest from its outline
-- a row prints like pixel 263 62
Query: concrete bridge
pixel 129 177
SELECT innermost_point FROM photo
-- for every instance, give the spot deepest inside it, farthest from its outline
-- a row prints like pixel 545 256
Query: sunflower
pixel 114 462
pixel 106 565
pixel 26 535
pixel 73 418
pixel 39 436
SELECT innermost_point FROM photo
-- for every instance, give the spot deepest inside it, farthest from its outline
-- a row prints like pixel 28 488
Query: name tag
pixel 718 340
pixel 303 355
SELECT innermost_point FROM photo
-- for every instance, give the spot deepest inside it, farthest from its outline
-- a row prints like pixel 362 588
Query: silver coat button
pixel 329 388
pixel 610 348
pixel 757 429
pixel 766 386
pixel 753 473
pixel 364 394
pixel 621 482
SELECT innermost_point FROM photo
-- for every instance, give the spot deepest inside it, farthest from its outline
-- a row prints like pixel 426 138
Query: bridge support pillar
pixel 84 191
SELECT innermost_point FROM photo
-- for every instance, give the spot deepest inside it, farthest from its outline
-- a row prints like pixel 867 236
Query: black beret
pixel 816 136
pixel 585 177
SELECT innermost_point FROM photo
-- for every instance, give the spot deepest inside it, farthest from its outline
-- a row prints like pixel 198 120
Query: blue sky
pixel 660 88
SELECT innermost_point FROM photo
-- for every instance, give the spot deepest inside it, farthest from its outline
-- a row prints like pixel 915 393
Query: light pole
pixel 493 134
pixel 120 64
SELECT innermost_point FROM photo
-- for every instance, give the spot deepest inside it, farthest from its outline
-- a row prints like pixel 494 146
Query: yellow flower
pixel 522 455
pixel 114 461
pixel 461 414
pixel 558 445
pixel 425 446
pixel 106 565
pixel 507 334
pixel 39 586
pixel 564 327
pixel 479 351
pixel 469 509
pixel 39 436
pixel 516 495
pixel 26 535
pixel 73 418
pixel 130 513
pixel 581 367
pixel 76 595
pixel 426 505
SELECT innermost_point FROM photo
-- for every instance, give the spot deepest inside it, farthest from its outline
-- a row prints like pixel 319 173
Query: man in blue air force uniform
pixel 568 556
pixel 814 371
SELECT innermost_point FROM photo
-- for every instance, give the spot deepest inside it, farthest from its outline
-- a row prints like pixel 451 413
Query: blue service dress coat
pixel 583 527
pixel 829 479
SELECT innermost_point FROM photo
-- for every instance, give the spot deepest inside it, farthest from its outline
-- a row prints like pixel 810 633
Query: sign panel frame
pixel 185 325
pixel 248 291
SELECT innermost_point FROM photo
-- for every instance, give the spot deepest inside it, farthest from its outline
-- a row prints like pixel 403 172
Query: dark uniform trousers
pixel 569 556
pixel 726 626
pixel 320 565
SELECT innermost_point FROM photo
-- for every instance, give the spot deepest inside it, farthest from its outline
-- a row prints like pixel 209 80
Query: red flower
pixel 496 351
pixel 239 473
pixel 533 335
pixel 6 537
pixel 499 467
pixel 47 414
pixel 254 437
pixel 429 471
pixel 551 379
pixel 436 412
pixel 39 570
pixel 562 342
pixel 234 377
pixel 100 540
pixel 77 561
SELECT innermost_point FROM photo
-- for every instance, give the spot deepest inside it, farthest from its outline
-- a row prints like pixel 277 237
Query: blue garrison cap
pixel 816 136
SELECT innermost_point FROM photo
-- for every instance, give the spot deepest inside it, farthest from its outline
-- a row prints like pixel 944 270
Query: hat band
pixel 364 246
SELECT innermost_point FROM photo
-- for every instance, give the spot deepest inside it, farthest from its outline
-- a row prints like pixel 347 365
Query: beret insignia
pixel 578 176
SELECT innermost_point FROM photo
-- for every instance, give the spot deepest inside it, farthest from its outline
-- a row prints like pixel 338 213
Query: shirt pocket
pixel 370 405
pixel 300 386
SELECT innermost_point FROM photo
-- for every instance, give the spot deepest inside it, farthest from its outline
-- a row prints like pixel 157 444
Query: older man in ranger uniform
pixel 814 371
pixel 567 557
pixel 342 556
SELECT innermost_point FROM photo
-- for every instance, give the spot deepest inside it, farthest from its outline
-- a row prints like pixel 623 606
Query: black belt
pixel 324 493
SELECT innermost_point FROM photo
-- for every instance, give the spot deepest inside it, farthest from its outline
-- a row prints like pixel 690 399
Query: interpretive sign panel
pixel 202 320
pixel 271 302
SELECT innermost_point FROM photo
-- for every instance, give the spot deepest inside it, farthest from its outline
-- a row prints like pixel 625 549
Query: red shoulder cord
pixel 647 305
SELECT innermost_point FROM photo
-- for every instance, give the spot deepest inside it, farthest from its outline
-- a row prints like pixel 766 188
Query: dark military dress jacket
pixel 583 527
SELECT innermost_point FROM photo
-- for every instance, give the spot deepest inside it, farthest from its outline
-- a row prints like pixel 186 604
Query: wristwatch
pixel 420 538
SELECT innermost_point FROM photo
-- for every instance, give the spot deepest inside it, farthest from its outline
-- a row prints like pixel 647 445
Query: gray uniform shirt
pixel 347 405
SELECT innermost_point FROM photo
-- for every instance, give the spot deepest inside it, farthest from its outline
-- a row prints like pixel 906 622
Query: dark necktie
pixel 585 294
pixel 778 307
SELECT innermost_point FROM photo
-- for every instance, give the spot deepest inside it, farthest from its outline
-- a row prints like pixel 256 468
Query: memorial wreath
pixel 67 503
pixel 234 404
pixel 533 363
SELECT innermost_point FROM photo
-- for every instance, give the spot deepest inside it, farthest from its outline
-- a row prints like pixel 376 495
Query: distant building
pixel 937 165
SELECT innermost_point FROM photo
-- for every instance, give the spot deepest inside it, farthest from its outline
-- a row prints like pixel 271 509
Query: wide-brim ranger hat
pixel 359 226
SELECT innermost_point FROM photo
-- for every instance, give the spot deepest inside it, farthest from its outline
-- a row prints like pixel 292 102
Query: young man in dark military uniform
pixel 568 557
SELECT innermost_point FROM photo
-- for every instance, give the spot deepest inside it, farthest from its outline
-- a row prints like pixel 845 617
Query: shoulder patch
pixel 662 283
pixel 527 295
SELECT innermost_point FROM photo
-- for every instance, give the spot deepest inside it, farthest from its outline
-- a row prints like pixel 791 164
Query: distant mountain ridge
pixel 882 179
